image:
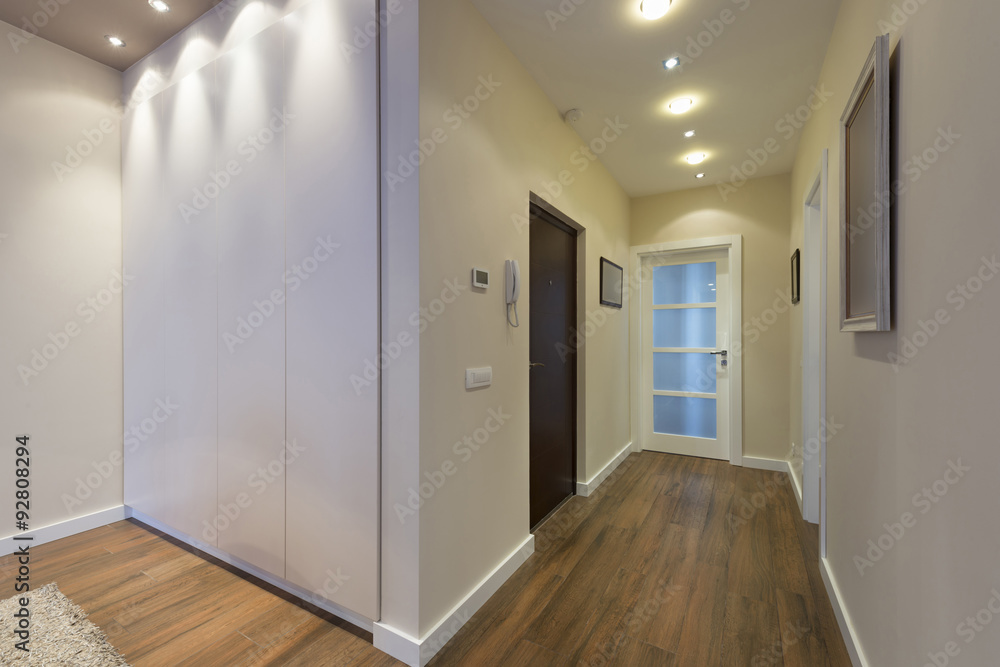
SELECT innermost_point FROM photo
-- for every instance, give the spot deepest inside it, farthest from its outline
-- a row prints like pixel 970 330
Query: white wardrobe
pixel 251 239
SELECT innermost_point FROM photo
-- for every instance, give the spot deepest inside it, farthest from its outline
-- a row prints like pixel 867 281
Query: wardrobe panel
pixel 190 469
pixel 252 456
pixel 333 304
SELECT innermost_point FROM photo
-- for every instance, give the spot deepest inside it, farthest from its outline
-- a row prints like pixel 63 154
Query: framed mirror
pixel 865 272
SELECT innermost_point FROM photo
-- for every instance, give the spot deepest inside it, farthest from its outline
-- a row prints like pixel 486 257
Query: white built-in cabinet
pixel 251 236
pixel 251 222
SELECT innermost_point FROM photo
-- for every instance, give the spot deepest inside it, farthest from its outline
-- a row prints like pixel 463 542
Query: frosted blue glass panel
pixel 691 372
pixel 684 327
pixel 692 417
pixel 684 283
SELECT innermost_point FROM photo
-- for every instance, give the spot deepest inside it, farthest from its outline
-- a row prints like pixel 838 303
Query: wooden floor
pixel 161 605
pixel 669 563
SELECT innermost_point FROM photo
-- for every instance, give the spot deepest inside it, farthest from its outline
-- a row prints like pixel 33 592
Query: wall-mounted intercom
pixel 513 271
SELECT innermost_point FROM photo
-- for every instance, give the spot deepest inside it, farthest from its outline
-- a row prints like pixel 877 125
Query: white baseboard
pixel 797 487
pixel 68 528
pixel 775 465
pixel 418 653
pixel 585 489
pixel 843 618
pixel 288 587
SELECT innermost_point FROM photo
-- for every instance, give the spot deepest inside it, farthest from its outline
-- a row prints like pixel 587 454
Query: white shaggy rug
pixel 60 635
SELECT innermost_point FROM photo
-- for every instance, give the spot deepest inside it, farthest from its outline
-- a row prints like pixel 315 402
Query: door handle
pixel 536 365
pixel 722 352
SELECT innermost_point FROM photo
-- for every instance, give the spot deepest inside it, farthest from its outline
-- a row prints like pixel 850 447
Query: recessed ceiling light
pixel 115 41
pixel 701 175
pixel 681 105
pixel 654 9
pixel 689 134
pixel 159 5
pixel 671 63
pixel 696 158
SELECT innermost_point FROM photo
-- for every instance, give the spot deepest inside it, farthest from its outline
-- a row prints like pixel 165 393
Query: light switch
pixel 478 377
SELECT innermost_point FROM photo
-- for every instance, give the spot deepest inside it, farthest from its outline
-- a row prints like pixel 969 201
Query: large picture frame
pixel 612 279
pixel 865 271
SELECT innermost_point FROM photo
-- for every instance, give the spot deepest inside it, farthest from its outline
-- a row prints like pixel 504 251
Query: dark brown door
pixel 552 282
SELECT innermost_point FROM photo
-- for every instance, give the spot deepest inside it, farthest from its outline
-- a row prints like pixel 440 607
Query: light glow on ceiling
pixel 696 158
pixel 681 105
pixel 654 9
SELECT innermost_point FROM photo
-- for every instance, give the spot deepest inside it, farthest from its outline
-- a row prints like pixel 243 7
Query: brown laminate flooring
pixel 673 561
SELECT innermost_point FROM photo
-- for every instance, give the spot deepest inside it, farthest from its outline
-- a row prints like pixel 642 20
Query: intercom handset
pixel 513 273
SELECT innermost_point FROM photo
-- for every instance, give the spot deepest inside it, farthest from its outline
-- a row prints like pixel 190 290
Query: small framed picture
pixel 796 277
pixel 612 277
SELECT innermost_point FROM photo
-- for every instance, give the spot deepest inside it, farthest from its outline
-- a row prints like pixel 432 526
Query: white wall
pixel 61 271
pixel 400 546
pixel 904 422
pixel 474 192
pixel 251 223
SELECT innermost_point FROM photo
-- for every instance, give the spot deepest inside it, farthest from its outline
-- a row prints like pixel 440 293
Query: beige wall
pixel 903 425
pixel 60 269
pixel 473 202
pixel 758 211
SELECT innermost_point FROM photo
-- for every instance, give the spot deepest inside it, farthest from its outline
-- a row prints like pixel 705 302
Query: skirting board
pixel 796 487
pixel 68 528
pixel 322 603
pixel 418 653
pixel 843 619
pixel 586 488
pixel 775 465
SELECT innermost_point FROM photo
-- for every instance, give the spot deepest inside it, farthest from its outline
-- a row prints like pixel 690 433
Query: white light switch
pixel 478 377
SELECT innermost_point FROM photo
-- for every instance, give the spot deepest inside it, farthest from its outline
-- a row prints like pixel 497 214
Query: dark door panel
pixel 552 285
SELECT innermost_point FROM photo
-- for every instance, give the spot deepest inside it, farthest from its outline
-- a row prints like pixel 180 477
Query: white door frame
pixel 734 244
pixel 814 321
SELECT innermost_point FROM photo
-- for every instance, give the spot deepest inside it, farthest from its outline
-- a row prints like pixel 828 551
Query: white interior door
pixel 685 356
pixel 811 386
pixel 814 354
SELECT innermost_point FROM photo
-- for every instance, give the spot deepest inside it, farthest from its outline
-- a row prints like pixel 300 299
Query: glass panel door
pixel 685 329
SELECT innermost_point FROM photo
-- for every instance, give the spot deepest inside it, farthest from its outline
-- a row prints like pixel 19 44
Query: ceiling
pixel 604 58
pixel 746 63
pixel 81 25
